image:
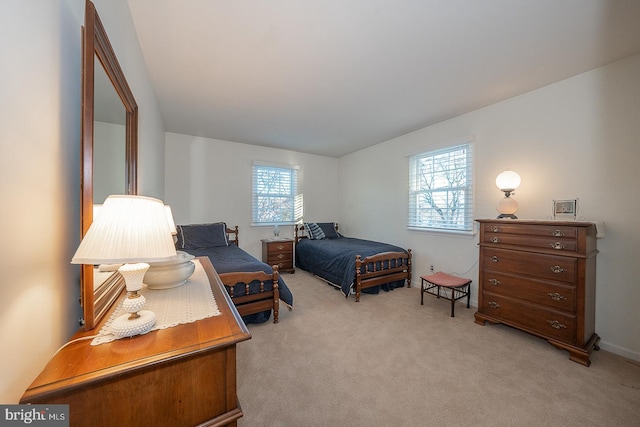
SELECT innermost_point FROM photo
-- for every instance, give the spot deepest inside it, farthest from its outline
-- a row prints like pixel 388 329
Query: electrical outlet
pixel 431 268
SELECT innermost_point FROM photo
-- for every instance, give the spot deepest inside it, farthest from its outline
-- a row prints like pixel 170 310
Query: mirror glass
pixel 109 152
pixel 109 138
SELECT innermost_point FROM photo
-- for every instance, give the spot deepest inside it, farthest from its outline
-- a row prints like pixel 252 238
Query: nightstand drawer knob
pixel 280 247
pixel 494 258
pixel 556 296
pixel 494 304
pixel 494 282
pixel 557 269
pixel 559 233
pixel 558 246
pixel 556 325
pixel 495 229
pixel 280 256
pixel 495 240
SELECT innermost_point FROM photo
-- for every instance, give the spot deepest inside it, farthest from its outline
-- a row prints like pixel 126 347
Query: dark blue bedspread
pixel 227 259
pixel 334 259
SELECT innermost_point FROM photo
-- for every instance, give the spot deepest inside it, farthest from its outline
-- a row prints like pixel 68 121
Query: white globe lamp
pixel 507 182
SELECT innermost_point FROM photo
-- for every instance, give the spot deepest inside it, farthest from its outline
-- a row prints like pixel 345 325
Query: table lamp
pixel 130 230
pixel 172 224
pixel 507 182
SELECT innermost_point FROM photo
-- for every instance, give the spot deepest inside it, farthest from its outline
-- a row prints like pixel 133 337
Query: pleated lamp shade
pixel 129 229
pixel 172 224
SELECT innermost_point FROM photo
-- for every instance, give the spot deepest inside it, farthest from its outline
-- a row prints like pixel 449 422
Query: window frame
pixel 465 225
pixel 291 196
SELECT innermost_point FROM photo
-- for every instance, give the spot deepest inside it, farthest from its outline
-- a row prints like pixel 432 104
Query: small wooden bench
pixel 458 286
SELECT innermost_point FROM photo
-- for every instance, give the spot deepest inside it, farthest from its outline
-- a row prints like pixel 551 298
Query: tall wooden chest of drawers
pixel 539 276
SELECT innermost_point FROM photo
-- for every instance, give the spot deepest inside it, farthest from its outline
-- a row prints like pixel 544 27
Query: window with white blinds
pixel 441 190
pixel 274 193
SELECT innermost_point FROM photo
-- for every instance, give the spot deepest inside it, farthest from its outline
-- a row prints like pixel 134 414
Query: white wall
pixel 40 104
pixel 578 138
pixel 209 180
pixel 40 176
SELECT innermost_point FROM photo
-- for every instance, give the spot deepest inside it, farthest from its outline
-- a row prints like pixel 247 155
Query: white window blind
pixel 274 193
pixel 441 190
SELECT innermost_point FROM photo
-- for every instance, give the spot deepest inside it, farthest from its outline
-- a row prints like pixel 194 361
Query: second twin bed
pixel 353 265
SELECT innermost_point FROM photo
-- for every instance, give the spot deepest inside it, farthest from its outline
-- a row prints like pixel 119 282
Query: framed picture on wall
pixel 565 209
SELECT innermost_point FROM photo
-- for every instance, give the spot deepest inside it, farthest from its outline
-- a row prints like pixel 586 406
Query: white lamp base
pixel 507 207
pixel 123 327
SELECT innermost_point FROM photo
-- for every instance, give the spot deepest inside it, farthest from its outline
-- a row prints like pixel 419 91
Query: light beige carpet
pixel 388 361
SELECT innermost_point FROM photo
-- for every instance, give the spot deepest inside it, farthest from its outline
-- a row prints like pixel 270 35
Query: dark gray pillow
pixel 199 236
pixel 329 229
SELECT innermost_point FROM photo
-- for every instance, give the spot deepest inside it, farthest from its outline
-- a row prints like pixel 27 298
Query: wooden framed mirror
pixel 109 138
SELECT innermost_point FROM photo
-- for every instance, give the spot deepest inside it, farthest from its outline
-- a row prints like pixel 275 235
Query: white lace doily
pixel 185 304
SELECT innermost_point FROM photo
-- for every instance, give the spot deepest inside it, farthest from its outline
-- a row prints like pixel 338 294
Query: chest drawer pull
pixel 494 282
pixel 558 246
pixel 556 325
pixel 495 240
pixel 494 258
pixel 280 256
pixel 559 233
pixel 280 247
pixel 494 304
pixel 556 296
pixel 495 229
pixel 557 269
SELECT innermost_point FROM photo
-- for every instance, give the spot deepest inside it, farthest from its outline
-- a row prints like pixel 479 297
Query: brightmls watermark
pixel 34 415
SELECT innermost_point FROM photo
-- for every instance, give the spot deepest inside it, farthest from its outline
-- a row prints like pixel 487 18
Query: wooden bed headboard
pixel 300 232
pixel 232 235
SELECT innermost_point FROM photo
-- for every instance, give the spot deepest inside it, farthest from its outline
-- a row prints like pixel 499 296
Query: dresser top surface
pixel 80 362
pixel 538 222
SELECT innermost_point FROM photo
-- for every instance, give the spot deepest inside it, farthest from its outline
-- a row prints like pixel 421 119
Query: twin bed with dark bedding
pixel 353 265
pixel 220 244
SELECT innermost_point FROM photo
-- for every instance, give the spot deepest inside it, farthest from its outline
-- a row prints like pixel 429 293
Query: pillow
pixel 198 236
pixel 314 232
pixel 329 229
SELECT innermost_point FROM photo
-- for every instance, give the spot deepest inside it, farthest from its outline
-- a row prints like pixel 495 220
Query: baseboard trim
pixel 620 351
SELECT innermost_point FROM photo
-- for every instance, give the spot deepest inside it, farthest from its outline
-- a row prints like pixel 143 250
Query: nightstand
pixel 278 252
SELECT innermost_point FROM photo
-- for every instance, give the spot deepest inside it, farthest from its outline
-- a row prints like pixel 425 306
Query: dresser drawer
pixel 550 294
pixel 550 243
pixel 274 258
pixel 549 323
pixel 551 267
pixel 285 265
pixel 279 247
pixel 560 231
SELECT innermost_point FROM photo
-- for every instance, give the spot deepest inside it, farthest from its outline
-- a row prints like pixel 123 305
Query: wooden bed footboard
pixel 385 267
pixel 266 299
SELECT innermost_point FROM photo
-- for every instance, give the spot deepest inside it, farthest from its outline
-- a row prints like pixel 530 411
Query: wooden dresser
pixel 278 252
pixel 539 276
pixel 180 376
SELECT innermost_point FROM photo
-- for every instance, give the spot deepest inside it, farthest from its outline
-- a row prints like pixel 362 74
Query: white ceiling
pixel 331 77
